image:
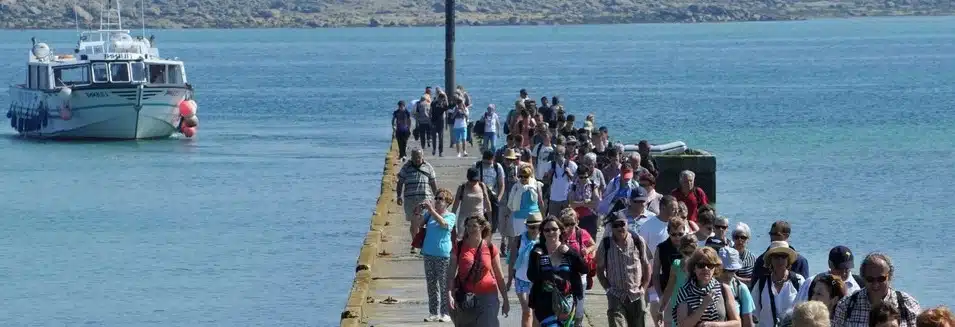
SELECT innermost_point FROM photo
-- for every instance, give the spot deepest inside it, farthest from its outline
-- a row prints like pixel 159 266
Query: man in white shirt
pixel 541 156
pixel 841 262
pixel 492 124
pixel 560 173
pixel 655 231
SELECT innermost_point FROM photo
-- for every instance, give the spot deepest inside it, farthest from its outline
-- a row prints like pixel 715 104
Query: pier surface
pixel 394 272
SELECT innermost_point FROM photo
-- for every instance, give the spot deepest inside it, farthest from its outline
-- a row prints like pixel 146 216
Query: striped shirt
pixel 416 181
pixel 749 262
pixel 692 295
pixel 624 267
pixel 853 310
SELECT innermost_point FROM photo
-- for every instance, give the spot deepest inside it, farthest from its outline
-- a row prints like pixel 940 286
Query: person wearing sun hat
pixel 770 307
pixel 510 164
pixel 518 262
pixel 780 231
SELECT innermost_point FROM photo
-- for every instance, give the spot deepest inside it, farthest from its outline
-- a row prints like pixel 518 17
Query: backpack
pixel 480 167
pixel 479 127
pixel 764 279
pixel 553 170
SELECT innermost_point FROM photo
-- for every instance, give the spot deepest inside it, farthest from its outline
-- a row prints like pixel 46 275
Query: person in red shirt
pixel 689 194
pixel 477 270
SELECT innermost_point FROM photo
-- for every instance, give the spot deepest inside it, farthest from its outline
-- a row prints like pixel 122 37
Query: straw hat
pixel 510 154
pixel 779 247
pixel 534 219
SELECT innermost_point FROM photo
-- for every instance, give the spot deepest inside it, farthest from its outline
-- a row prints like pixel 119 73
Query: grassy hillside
pixel 329 13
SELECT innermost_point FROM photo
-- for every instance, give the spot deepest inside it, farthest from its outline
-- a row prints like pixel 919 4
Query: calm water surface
pixel 842 127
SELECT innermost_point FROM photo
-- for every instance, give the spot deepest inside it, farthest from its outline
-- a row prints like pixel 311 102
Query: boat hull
pixel 98 113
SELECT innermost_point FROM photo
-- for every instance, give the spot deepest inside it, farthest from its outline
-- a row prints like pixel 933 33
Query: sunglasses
pixel 443 199
pixel 619 224
pixel 551 230
pixel 677 234
pixel 569 226
pixel 535 226
pixel 706 265
pixel 873 280
pixel 741 237
pixel 523 177
pixel 721 227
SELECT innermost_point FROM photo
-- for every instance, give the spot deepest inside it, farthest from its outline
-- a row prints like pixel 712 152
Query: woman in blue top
pixel 732 263
pixel 436 250
pixel 525 199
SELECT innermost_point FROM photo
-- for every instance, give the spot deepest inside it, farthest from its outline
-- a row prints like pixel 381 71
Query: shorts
pixel 459 135
pixel 522 286
pixel 409 206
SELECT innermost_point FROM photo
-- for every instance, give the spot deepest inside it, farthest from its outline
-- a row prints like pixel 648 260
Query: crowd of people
pixel 664 259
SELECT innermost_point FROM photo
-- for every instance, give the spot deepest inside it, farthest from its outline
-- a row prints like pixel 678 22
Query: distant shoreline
pixel 608 20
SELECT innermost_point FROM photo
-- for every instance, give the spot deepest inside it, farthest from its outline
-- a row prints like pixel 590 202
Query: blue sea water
pixel 843 127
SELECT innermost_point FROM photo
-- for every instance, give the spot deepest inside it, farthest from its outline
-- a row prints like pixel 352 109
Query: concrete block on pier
pixel 700 162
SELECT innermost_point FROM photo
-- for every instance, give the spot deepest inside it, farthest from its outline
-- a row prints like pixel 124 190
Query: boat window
pixel 139 71
pixel 157 74
pixel 119 72
pixel 31 72
pixel 43 75
pixel 73 75
pixel 174 75
pixel 100 73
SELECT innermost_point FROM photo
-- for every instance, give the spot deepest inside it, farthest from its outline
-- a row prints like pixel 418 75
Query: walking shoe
pixel 432 318
pixel 445 318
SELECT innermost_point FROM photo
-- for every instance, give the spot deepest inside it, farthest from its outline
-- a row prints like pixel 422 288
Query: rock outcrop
pixel 328 13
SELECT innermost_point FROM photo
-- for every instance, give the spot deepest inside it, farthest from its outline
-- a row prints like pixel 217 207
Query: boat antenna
pixel 76 18
pixel 142 14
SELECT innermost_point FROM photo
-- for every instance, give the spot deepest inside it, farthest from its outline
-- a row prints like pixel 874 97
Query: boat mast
pixel 142 15
pixel 109 24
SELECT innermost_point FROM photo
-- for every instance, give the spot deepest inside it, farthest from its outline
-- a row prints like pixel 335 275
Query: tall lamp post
pixel 449 47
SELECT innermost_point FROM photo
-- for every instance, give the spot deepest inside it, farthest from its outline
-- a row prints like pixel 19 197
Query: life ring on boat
pixel 65 112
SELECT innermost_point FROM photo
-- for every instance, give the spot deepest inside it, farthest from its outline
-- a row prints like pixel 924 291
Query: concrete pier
pixel 386 269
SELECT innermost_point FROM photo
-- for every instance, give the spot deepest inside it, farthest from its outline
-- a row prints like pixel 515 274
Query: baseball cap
pixel 841 257
pixel 638 194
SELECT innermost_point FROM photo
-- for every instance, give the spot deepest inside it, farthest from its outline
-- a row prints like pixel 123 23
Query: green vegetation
pixel 331 13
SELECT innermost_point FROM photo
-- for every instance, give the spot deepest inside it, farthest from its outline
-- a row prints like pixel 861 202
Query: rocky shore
pixel 30 14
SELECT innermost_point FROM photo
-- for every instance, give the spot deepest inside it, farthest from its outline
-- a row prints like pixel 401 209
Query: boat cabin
pixel 103 58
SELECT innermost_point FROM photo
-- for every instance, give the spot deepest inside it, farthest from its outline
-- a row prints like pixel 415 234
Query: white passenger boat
pixel 112 86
